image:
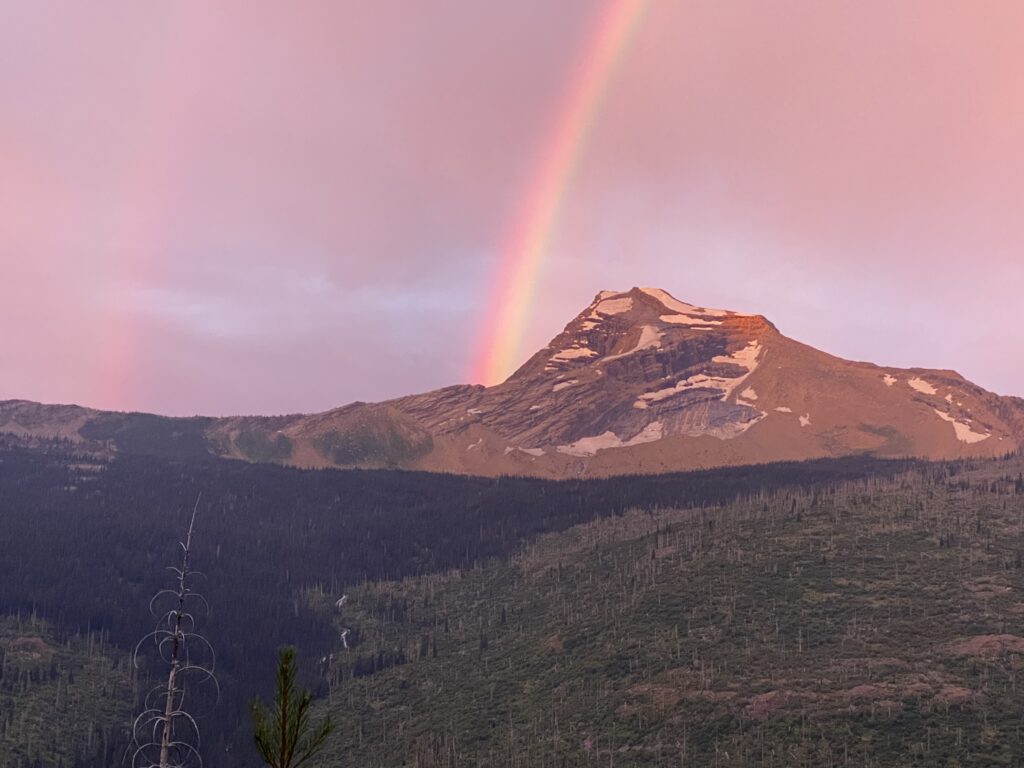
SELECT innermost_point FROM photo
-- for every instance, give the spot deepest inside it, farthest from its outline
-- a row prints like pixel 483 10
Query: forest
pixel 507 588
pixel 874 623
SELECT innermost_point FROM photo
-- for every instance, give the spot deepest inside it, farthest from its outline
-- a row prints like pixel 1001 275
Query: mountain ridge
pixel 638 382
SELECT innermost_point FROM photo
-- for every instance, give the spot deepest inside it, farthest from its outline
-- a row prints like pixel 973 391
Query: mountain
pixel 639 382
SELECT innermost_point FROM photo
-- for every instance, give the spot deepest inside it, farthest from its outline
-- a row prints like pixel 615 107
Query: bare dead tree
pixel 165 734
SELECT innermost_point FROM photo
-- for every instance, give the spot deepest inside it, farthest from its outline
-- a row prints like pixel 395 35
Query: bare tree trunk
pixel 165 741
pixel 175 631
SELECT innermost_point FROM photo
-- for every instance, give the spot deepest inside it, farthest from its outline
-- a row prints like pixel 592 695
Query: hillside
pixel 62 702
pixel 274 542
pixel 876 624
pixel 638 382
pixel 538 619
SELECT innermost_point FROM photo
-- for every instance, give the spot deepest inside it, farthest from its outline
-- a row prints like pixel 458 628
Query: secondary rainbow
pixel 522 256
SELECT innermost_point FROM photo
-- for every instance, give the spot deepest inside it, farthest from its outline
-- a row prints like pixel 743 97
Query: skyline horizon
pixel 529 354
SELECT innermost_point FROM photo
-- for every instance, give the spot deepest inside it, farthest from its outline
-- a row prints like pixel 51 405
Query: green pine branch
pixel 284 736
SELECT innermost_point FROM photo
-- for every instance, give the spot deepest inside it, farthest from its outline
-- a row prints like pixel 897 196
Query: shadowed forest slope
pixel 88 539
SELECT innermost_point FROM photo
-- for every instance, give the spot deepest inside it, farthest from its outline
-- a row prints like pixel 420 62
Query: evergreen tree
pixel 285 738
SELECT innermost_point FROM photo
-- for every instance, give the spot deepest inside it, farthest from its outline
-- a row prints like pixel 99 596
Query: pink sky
pixel 267 207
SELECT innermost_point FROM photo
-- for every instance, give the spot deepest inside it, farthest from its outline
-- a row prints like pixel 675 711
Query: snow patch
pixel 649 337
pixel 922 386
pixel 805 421
pixel 473 411
pixel 749 394
pixel 735 430
pixel 963 430
pixel 614 306
pixel 889 380
pixel 690 320
pixel 564 385
pixel 532 451
pixel 588 446
pixel 698 381
pixel 572 353
pixel 671 302
pixel 745 358
pixel 477 444
pixel 784 409
pixel 650 433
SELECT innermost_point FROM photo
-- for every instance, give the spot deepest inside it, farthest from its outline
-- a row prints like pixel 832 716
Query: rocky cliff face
pixel 637 382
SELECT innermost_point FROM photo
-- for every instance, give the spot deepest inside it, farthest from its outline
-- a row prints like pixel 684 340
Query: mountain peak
pixel 639 381
pixel 642 322
pixel 659 296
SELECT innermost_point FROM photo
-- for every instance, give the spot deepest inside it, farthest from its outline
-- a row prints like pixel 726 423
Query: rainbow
pixel 522 255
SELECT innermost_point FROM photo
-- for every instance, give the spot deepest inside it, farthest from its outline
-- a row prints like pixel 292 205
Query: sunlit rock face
pixel 632 368
pixel 637 382
pixel 642 382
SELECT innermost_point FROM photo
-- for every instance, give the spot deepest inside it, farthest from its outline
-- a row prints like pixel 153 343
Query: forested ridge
pixel 876 623
pixel 86 542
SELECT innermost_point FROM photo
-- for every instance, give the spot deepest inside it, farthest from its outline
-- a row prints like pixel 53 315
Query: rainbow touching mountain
pixel 639 382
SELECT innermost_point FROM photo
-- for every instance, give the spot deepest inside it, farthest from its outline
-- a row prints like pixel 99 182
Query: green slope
pixel 59 702
pixel 878 625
